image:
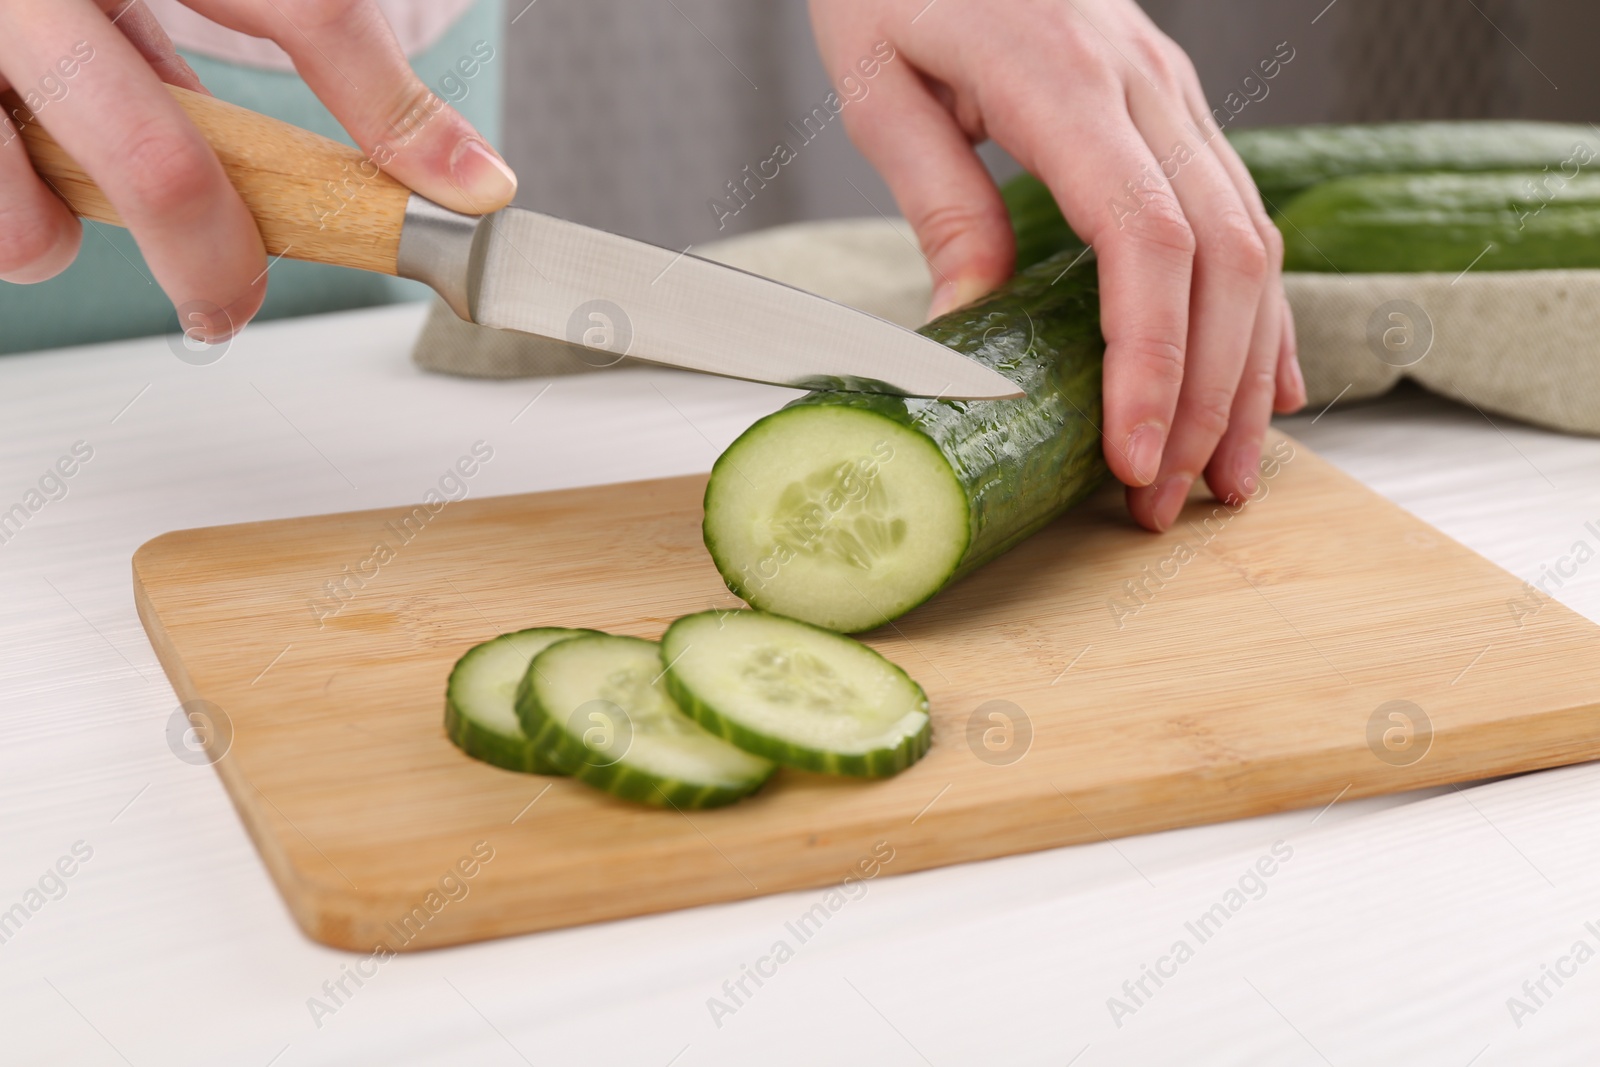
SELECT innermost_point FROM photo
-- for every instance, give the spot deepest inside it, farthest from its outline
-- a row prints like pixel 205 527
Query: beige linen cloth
pixel 1519 343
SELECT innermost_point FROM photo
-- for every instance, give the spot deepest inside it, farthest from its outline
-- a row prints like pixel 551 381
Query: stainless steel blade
pixel 519 270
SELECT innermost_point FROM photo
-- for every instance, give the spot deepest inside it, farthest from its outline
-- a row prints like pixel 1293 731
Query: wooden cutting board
pixel 1318 644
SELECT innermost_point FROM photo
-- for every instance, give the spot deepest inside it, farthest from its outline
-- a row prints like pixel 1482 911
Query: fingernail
pixel 1143 451
pixel 215 326
pixel 483 176
pixel 949 295
pixel 1170 498
pixel 1244 470
pixel 1299 382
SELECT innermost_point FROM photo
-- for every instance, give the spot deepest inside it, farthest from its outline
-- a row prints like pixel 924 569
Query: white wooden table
pixel 1395 933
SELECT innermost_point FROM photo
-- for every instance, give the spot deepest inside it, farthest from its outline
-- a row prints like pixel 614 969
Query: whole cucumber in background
pixel 846 510
pixel 1444 222
pixel 1287 161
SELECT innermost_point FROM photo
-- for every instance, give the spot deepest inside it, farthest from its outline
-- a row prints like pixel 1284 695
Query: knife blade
pixel 520 270
pixel 317 200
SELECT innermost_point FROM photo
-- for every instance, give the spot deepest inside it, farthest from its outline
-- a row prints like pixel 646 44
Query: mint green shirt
pixel 108 293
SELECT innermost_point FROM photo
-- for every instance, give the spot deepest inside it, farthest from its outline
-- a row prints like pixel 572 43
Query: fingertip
pixel 244 308
pixel 57 257
pixel 1291 382
pixel 1134 497
pixel 485 181
pixel 1156 507
pixel 950 294
pixel 1291 395
pixel 1140 394
pixel 1233 472
pixel 453 166
pixel 971 250
pixel 178 72
pixel 138 24
pixel 1246 470
pixel 208 323
pixel 1141 453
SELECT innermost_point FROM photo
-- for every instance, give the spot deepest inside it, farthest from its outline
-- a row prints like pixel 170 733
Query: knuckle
pixel 319 14
pixel 1183 68
pixel 1152 55
pixel 1240 248
pixel 166 173
pixel 1160 361
pixel 1260 380
pixel 1160 224
pixel 941 227
pixel 406 112
pixel 1271 243
pixel 1069 39
pixel 1263 379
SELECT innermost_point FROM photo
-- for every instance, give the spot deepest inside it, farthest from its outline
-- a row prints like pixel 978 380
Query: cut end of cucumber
pixel 837 516
pixel 598 707
pixel 480 715
pixel 795 693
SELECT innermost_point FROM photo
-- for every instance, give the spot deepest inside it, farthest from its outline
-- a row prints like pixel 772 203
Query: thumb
pixel 939 183
pixel 402 125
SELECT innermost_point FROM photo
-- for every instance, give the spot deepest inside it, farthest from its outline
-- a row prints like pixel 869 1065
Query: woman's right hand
pixel 91 72
pixel 1091 97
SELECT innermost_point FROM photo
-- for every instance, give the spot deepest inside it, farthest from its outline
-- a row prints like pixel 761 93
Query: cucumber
pixel 480 714
pixel 1286 160
pixel 596 707
pixel 1444 222
pixel 846 510
pixel 797 694
pixel 1040 229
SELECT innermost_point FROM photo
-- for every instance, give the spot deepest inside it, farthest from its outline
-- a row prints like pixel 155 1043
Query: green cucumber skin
pixel 492 748
pixel 1020 463
pixel 569 754
pixel 486 745
pixel 1444 223
pixel 1286 161
pixel 883 763
pixel 1040 229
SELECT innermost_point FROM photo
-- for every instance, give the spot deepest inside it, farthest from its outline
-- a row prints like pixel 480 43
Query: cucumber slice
pixel 480 714
pixel 597 707
pixel 795 693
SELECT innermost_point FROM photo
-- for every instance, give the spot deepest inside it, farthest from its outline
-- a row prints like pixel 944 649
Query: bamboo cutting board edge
pixel 331 914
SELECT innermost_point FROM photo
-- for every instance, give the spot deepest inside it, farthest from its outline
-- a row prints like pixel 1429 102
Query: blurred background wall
pixel 633 114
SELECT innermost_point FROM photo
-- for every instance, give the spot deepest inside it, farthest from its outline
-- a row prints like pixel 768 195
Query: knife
pixel 318 200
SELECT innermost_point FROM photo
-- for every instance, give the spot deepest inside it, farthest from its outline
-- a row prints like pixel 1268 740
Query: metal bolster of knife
pixel 438 247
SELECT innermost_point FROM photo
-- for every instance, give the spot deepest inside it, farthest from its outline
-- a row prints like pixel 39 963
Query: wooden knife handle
pixel 313 198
